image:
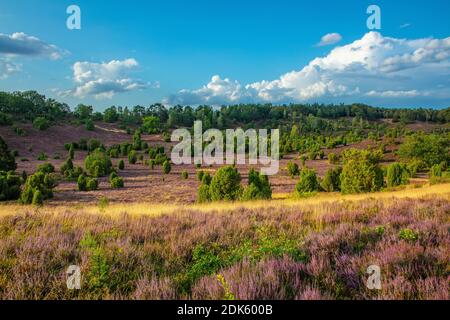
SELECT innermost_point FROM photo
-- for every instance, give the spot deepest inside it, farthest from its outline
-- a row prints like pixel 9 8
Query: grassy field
pixel 314 248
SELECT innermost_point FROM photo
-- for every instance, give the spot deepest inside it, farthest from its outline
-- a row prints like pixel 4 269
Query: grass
pixel 279 200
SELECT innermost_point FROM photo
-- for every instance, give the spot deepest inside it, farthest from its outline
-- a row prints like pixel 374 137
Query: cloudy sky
pixel 226 52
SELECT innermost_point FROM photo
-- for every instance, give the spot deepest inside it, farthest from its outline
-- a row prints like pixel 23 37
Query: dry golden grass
pixel 315 203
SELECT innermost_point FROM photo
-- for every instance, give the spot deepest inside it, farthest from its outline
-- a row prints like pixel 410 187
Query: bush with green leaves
pixel 41 182
pixel 98 164
pixel 9 186
pixel 430 148
pixel 226 184
pixel 200 175
pixel 7 160
pixel 332 180
pixel 89 124
pixel 41 123
pixel 361 172
pixel 87 183
pixel 132 157
pixel 121 165
pixel 137 140
pixel 397 174
pixel 203 193
pixel 117 182
pixel 93 144
pixel 293 169
pixel 166 167
pixel 307 183
pixel 333 158
pixel 259 187
pixel 38 199
pixel 42 156
pixel 185 175
pixel 46 168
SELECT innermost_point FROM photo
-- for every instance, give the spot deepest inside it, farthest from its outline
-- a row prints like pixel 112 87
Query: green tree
pixel 307 183
pixel 98 163
pixel 293 169
pixel 166 167
pixel 7 160
pixel 259 187
pixel 41 123
pixel 361 172
pixel 430 148
pixel 132 157
pixel 226 184
pixel 332 180
pixel 397 175
pixel 121 165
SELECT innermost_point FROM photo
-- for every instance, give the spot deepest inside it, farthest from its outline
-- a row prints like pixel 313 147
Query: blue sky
pixel 222 52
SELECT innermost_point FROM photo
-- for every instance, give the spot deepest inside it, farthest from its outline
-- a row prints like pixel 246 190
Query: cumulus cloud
pixel 374 67
pixel 329 39
pixel 104 80
pixel 21 44
pixel 7 68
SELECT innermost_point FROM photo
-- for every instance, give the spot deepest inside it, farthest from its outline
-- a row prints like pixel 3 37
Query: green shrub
pixel 166 167
pixel 93 144
pixel 132 157
pixel 200 175
pixel 98 164
pixel 361 172
pixel 430 148
pixel 91 184
pixel 226 184
pixel 38 199
pixel 10 185
pixel 41 123
pixel 397 175
pixel 408 235
pixel 203 194
pixel 89 124
pixel 81 183
pixel 258 187
pixel 293 169
pixel 20 131
pixel 185 175
pixel 42 156
pixel 332 180
pixel 46 168
pixel 307 183
pixel 121 164
pixel 117 183
pixel 38 181
pixel 7 160
pixel 333 158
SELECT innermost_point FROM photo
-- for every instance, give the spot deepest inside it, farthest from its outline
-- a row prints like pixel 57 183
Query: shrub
pixel 226 184
pixel 38 199
pixel 430 148
pixel 66 167
pixel 321 154
pixel 121 164
pixel 312 155
pixel 137 141
pixel 117 183
pixel 10 185
pixel 38 181
pixel 200 175
pixel 20 131
pixel 132 157
pixel 293 169
pixel 41 123
pixel 89 124
pixel 258 187
pixel 166 167
pixel 397 175
pixel 408 235
pixel 91 184
pixel 307 183
pixel 42 156
pixel 93 144
pixel 361 172
pixel 152 153
pixel 185 175
pixel 414 166
pixel 332 180
pixel 98 164
pixel 81 183
pixel 203 194
pixel 7 160
pixel 46 168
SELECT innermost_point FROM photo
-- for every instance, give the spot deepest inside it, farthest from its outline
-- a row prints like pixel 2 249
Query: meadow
pixel 317 248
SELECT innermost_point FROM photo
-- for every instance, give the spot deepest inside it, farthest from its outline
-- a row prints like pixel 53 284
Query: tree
pixel 38 181
pixel 293 169
pixel 361 172
pixel 203 194
pixel 71 152
pixel 397 174
pixel 117 183
pixel 121 165
pixel 132 157
pixel 9 186
pixel 83 111
pixel 332 180
pixel 226 184
pixel 167 167
pixel 38 199
pixel 430 148
pixel 81 183
pixel 110 115
pixel 98 163
pixel 89 124
pixel 258 187
pixel 151 125
pixel 307 183
pixel 41 123
pixel 7 160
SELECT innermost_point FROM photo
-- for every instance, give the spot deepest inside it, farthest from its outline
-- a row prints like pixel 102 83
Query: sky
pixel 227 52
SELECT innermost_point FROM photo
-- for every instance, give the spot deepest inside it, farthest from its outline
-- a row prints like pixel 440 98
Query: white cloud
pixel 374 67
pixel 329 39
pixel 21 44
pixel 104 80
pixel 8 68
